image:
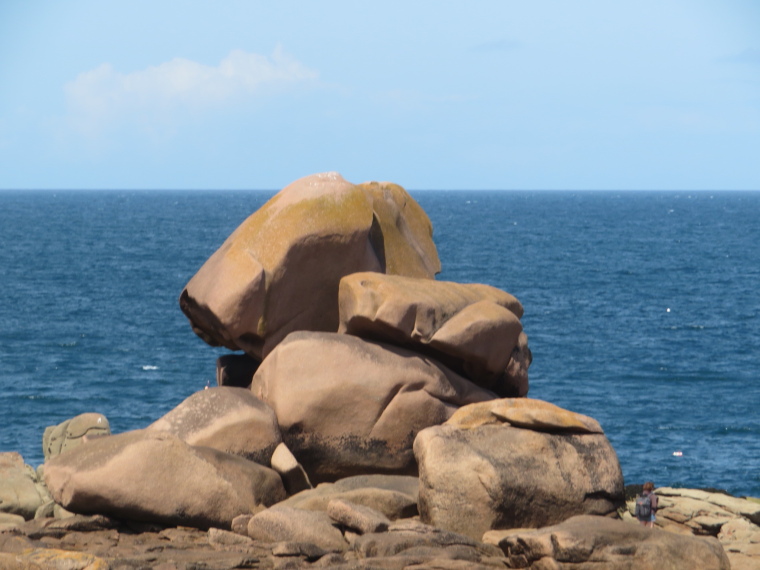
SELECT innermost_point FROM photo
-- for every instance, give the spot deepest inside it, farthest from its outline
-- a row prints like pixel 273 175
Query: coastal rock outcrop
pixel 279 271
pixel 232 420
pixel 156 477
pixel 471 328
pixel 347 406
pixel 601 543
pixel 20 493
pixel 498 476
pixel 734 521
pixel 74 432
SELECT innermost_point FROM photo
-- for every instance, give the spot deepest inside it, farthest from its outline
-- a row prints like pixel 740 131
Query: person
pixel 646 506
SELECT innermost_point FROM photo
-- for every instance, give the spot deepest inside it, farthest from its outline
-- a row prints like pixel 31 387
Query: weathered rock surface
pixel 498 476
pixel 294 476
pixel 527 413
pixel 358 518
pixel 741 541
pixel 41 545
pixel 156 477
pixel 602 543
pixel 279 271
pixel 404 536
pixel 471 328
pixel 73 432
pixel 108 544
pixel 732 520
pixel 346 406
pixel 395 496
pixel 20 493
pixel 232 420
pixel 286 524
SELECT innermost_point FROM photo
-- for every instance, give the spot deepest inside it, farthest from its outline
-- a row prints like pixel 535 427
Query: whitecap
pixel 149 367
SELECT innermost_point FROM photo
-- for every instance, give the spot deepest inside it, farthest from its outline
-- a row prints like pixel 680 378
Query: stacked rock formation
pixel 402 397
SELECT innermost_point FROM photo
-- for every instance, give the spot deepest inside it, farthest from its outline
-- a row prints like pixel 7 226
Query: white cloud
pixel 101 96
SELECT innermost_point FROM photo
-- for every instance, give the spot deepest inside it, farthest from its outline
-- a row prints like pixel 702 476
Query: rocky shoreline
pixel 376 418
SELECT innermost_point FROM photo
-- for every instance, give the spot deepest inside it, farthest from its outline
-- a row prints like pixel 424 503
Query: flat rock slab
pixel 741 507
pixel 500 477
pixel 156 477
pixel 526 413
pixel 602 543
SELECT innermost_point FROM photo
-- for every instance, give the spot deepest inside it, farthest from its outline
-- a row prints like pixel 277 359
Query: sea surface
pixel 642 311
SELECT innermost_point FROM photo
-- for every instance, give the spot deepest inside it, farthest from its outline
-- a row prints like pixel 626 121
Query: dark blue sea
pixel 642 310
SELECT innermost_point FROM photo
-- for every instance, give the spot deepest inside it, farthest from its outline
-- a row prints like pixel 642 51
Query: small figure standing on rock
pixel 646 506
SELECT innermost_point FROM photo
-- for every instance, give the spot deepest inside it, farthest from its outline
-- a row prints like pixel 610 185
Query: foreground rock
pixel 394 496
pixel 346 406
pixel 497 476
pixel 471 328
pixel 156 477
pixel 20 493
pixel 279 271
pixel 604 544
pixel 232 420
pixel 94 543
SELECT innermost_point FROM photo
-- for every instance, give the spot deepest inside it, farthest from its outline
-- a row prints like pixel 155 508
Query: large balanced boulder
pixel 480 475
pixel 156 477
pixel 472 328
pixel 347 406
pixel 279 271
pixel 232 420
pixel 601 543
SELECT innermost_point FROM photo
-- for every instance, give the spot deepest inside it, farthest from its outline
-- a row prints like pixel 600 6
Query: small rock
pixel 308 550
pixel 357 517
pixel 220 537
pixel 9 521
pixel 294 477
pixel 240 524
pixel 285 524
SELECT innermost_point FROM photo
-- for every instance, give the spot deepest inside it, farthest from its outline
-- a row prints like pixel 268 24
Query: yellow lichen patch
pixel 474 415
pixel 53 559
pixel 524 413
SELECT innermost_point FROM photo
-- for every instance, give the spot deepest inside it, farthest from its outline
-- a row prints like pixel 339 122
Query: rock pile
pixel 401 397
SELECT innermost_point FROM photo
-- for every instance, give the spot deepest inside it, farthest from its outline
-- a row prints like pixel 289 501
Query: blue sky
pixel 589 94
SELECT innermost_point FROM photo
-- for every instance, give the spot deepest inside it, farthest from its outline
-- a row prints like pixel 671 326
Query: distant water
pixel 642 310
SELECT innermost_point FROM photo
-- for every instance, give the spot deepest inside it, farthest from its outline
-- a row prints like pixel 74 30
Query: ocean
pixel 642 310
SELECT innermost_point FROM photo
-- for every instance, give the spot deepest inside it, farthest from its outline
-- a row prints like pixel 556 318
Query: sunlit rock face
pixel 279 271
